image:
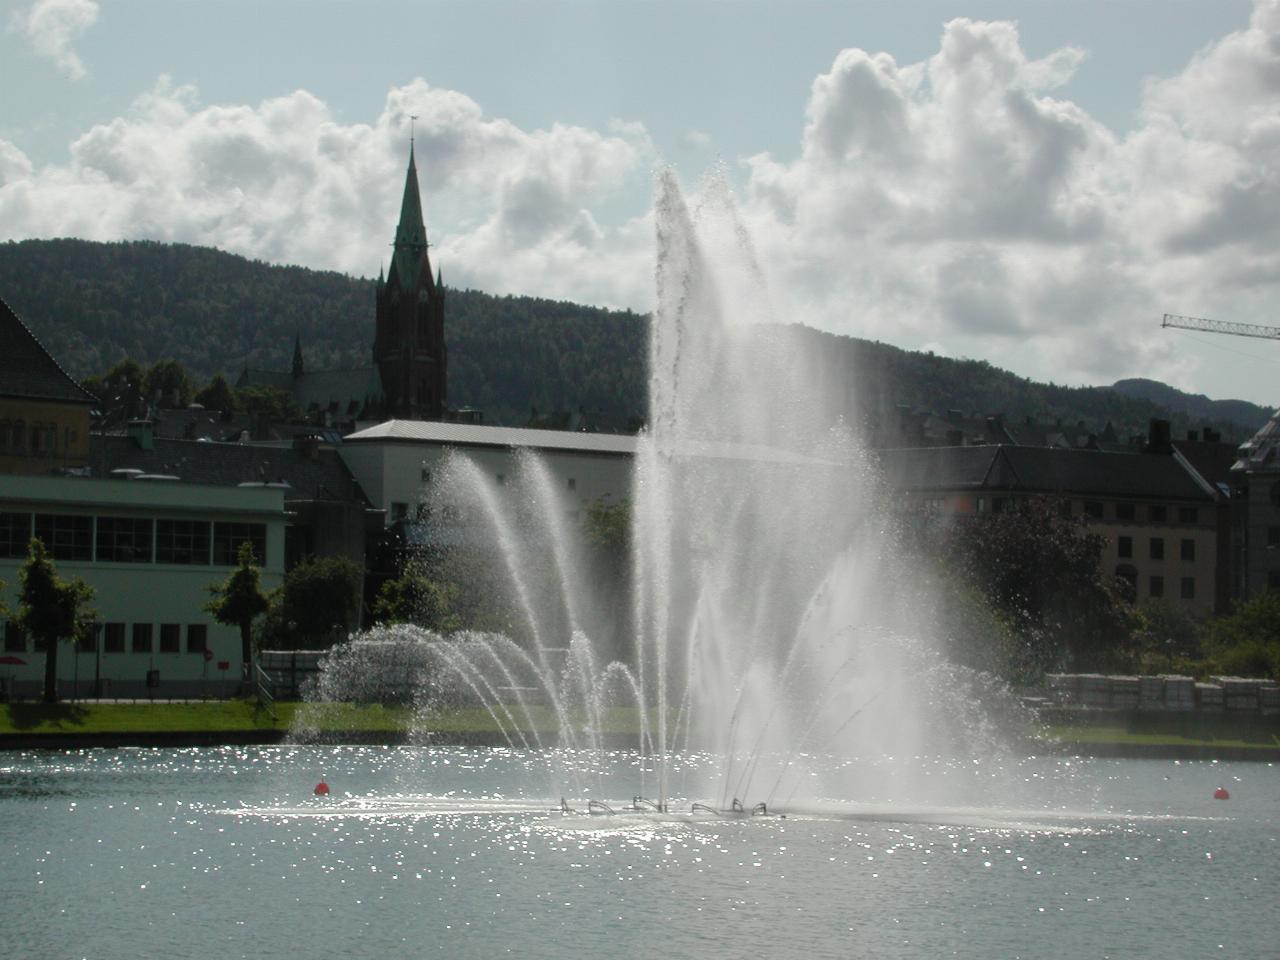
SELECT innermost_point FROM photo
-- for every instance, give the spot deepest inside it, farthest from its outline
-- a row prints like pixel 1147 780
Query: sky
pixel 1030 183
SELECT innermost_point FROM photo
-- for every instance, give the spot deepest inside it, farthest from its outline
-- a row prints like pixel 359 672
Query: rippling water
pixel 460 853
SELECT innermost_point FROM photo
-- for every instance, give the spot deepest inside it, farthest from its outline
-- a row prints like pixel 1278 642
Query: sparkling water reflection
pixel 445 852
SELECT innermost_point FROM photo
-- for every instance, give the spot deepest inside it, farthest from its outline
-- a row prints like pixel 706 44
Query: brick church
pixel 408 379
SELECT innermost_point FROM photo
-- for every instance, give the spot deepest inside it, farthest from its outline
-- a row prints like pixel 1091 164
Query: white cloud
pixel 508 209
pixel 957 200
pixel 50 26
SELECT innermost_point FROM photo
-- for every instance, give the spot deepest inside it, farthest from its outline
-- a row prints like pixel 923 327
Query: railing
pixel 262 684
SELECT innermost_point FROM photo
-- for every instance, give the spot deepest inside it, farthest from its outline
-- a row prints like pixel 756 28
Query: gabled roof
pixel 1042 470
pixel 322 477
pixel 28 370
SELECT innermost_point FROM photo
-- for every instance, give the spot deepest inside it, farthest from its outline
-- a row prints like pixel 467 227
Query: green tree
pixel 415 597
pixel 321 600
pixel 217 395
pixel 269 402
pixel 167 380
pixel 1042 571
pixel 52 609
pixel 239 600
pixel 1247 641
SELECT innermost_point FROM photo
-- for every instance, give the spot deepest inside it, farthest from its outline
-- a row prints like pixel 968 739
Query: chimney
pixel 1159 437
pixel 142 432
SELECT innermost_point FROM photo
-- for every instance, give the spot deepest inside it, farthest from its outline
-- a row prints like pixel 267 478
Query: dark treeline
pixel 94 304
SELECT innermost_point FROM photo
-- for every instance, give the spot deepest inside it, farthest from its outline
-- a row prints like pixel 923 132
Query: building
pixel 1255 522
pixel 398 462
pixel 1161 523
pixel 150 548
pixel 408 377
pixel 44 413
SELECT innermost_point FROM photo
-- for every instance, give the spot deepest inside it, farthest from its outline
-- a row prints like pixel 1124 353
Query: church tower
pixel 408 345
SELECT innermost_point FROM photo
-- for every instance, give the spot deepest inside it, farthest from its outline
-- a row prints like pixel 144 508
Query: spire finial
pixel 412 118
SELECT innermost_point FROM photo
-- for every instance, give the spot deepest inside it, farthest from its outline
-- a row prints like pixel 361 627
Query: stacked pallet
pixel 1151 693
pixel 1209 697
pixel 1179 692
pixel 1064 687
pixel 1269 699
pixel 1095 690
pixel 1125 692
pixel 1239 693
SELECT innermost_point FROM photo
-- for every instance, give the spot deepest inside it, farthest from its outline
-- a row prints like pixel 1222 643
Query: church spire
pixel 411 232
pixel 297 356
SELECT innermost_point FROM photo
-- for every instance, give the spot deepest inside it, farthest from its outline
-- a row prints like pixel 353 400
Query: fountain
pixel 772 623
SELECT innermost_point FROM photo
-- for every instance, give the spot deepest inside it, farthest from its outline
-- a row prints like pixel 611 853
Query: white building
pixel 150 548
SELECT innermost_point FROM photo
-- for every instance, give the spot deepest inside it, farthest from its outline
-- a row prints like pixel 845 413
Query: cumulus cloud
pixel 959 200
pixel 508 209
pixel 50 26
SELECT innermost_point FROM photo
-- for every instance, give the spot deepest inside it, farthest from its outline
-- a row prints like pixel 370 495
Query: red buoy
pixel 1221 794
pixel 322 789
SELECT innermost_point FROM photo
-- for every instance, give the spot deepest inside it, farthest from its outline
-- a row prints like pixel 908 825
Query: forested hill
pixel 93 304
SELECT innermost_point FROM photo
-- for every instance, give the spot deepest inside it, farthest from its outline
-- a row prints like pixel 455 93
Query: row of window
pixel 1129 513
pixel 1155 548
pixel 1155 583
pixel 117 637
pixel 131 539
pixel 36 439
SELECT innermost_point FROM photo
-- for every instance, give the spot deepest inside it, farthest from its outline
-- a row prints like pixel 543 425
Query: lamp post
pixel 97 659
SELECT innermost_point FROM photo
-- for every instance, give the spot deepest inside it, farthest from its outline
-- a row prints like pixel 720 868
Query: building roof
pixel 319 476
pixel 28 370
pixel 1097 473
pixel 1261 452
pixel 477 435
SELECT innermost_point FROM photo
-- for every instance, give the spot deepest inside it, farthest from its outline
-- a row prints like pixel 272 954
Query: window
pixel 141 638
pixel 981 505
pixel 15 640
pixel 1064 509
pixel 502 479
pixel 1156 587
pixel 1000 504
pixel 426 475
pixel 1124 547
pixel 170 637
pixel 1157 513
pixel 1273 579
pixel 1125 512
pixel 1188 515
pixel 572 483
pixel 227 538
pixel 1128 576
pixel 1273 536
pixel 89 642
pixel 1188 549
pixel 113 638
pixel 67 537
pixel 399 511
pixel 197 638
pixel 1275 492
pixel 124 540
pixel 1188 588
pixel 182 541
pixel 1093 509
pixel 1157 548
pixel 15 534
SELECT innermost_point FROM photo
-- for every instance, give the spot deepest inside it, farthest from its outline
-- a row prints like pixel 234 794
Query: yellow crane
pixel 1221 326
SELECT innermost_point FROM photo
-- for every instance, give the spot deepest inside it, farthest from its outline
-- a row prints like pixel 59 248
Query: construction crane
pixel 1221 326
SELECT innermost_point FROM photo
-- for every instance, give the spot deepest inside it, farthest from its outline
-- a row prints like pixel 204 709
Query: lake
pixel 464 853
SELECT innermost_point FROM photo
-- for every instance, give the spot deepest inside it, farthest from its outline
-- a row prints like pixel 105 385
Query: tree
pixel 321 599
pixel 271 403
pixel 1042 570
pixel 1247 641
pixel 217 395
pixel 52 609
pixel 238 600
pixel 414 597
pixel 167 383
